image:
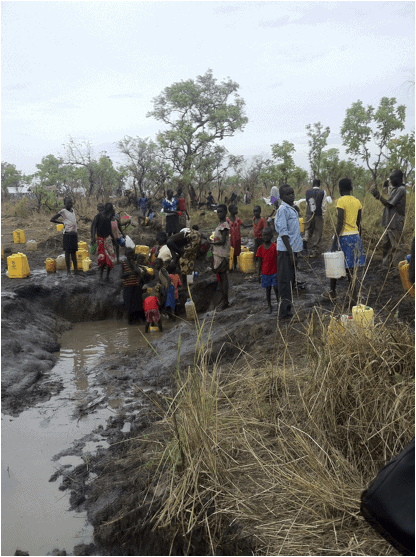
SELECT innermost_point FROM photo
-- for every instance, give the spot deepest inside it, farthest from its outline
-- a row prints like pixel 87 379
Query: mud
pixel 112 388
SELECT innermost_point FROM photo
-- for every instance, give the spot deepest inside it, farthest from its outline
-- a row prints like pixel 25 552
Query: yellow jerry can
pixel 81 255
pixel 364 318
pixel 231 257
pixel 82 245
pixel 19 236
pixel 86 264
pixel 404 276
pixel 59 227
pixel 17 266
pixel 302 225
pixel 246 262
pixel 144 250
pixel 153 328
pixel 50 265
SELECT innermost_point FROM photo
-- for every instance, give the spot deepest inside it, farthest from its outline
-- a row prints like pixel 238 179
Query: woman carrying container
pixel 70 234
pixel 348 238
pixel 105 240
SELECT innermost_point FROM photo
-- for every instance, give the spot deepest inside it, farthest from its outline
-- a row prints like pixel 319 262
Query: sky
pixel 89 70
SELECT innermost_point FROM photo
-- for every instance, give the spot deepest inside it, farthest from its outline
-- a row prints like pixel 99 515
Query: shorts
pixel 269 280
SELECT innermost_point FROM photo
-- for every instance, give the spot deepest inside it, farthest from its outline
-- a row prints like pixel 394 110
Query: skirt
pixel 352 247
pixel 106 255
pixel 172 224
pixel 132 296
pixel 70 242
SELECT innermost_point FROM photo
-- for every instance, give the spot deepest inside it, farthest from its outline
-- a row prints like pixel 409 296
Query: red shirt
pixel 268 259
pixel 176 281
pixel 258 228
pixel 235 231
pixel 150 303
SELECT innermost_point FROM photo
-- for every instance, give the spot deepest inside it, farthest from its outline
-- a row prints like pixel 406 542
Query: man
pixel 288 244
pixel 393 219
pixel 316 206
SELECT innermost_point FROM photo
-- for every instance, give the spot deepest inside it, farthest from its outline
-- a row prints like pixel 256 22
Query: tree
pixel 10 178
pixel 297 178
pixel 317 141
pixel 141 155
pixel 401 155
pixel 197 114
pixel 364 127
pixel 81 155
pixel 283 154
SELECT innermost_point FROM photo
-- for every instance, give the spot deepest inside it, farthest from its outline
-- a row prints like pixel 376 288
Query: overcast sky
pixel 91 69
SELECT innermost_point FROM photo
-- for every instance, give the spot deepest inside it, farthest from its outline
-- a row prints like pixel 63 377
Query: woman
pixel 170 208
pixel 348 238
pixel 105 240
pixel 70 237
pixel 132 286
pixel 117 233
pixel 221 253
pixel 182 208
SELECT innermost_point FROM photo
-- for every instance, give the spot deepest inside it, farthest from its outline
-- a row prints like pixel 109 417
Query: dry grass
pixel 279 455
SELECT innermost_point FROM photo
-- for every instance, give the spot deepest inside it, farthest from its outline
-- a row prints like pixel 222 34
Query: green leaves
pixel 317 141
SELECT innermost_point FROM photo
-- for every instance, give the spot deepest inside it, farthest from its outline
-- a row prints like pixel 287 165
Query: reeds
pixel 273 457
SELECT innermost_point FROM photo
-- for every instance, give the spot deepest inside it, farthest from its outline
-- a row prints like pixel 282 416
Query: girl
pixel 267 273
pixel 235 232
pixel 348 237
pixel 132 288
pixel 70 237
pixel 176 281
pixel 182 208
pixel 105 240
pixel 117 233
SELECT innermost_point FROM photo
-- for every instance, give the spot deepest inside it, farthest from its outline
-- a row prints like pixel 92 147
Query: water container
pixel 244 249
pixel 408 257
pixel 231 257
pixel 81 255
pixel 150 270
pixel 246 262
pixel 334 264
pixel 302 225
pixel 190 310
pixel 31 245
pixel 59 227
pixel 190 279
pixel 60 262
pixel 364 318
pixel 348 323
pixel 153 328
pixel 404 275
pixel 50 265
pixel 144 250
pixel 82 246
pixel 87 265
pixel 19 236
pixel 17 266
pixel 335 330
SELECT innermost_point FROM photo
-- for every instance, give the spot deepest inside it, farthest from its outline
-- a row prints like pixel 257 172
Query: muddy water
pixel 34 512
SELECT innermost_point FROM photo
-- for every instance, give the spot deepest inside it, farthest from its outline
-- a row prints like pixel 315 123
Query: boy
pixel 166 283
pixel 235 232
pixel 289 244
pixel 258 224
pixel 267 273
pixel 176 281
pixel 70 237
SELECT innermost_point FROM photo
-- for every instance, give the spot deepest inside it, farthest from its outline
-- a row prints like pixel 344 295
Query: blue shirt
pixel 170 205
pixel 142 202
pixel 286 223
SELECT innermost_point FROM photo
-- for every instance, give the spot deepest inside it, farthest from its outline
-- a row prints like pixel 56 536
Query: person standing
pixel 221 253
pixel 348 237
pixel 289 244
pixel 105 240
pixel 170 208
pixel 393 219
pixel 183 216
pixel 70 234
pixel 316 206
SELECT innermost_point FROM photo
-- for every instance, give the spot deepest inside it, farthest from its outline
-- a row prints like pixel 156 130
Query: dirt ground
pixel 38 309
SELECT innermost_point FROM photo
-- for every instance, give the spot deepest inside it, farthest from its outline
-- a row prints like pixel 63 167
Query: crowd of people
pixel 147 291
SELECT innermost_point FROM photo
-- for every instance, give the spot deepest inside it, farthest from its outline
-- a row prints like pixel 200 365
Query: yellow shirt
pixel 351 205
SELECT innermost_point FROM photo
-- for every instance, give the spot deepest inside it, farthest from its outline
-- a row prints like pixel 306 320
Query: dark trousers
pixel 285 280
pixel 314 226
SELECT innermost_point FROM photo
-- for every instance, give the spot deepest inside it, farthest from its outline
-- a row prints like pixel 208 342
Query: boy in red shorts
pixel 151 310
pixel 267 270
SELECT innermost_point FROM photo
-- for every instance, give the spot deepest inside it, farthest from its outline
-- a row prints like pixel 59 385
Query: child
pixel 166 283
pixel 235 232
pixel 289 244
pixel 258 224
pixel 176 281
pixel 70 237
pixel 151 310
pixel 163 252
pixel 221 253
pixel 267 273
pixel 130 275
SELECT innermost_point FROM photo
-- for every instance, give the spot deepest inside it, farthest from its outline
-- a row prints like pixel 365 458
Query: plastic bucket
pixel 334 264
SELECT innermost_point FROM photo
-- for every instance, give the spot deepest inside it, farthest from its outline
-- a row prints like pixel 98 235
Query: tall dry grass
pixel 278 453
